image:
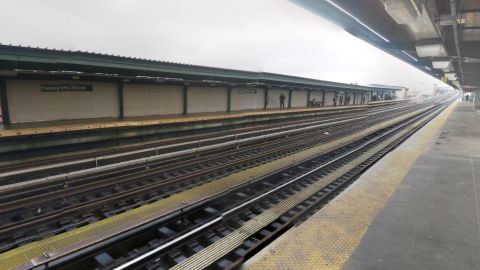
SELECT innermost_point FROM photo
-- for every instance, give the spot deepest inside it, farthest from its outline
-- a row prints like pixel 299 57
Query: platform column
pixel 477 100
pixel 309 92
pixel 121 113
pixel 229 98
pixel 323 98
pixel 290 98
pixel 265 102
pixel 4 102
pixel 185 98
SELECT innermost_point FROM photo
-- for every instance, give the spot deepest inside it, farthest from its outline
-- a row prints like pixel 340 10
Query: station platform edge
pixel 26 129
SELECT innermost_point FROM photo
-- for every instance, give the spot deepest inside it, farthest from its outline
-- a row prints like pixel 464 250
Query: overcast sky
pixel 259 35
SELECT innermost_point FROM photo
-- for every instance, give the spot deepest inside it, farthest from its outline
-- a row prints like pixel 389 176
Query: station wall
pixel 40 100
pixel 207 99
pixel 36 100
pixel 274 98
pixel 152 99
pixel 359 97
pixel 329 98
pixel 355 98
pixel 316 96
pixel 299 98
pixel 247 99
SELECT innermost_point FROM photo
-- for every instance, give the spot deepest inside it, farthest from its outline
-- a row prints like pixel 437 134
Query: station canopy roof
pixel 440 37
pixel 27 61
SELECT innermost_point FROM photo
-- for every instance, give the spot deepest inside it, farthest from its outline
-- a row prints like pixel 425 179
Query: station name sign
pixel 66 87
pixel 247 91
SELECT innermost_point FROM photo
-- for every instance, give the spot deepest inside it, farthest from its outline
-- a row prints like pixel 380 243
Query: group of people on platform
pixel 337 100
pixel 387 96
pixel 341 102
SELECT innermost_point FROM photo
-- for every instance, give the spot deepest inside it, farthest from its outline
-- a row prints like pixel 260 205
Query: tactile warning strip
pixel 328 238
pixel 63 244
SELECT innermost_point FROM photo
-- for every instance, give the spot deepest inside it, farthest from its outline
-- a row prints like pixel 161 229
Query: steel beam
pixel 4 102
pixel 229 99
pixel 290 98
pixel 309 93
pixel 185 98
pixel 121 113
pixel 265 102
pixel 453 9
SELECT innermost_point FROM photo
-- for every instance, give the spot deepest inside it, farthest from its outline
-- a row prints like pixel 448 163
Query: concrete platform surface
pixel 417 208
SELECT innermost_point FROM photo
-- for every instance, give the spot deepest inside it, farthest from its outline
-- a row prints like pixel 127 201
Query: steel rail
pixel 257 198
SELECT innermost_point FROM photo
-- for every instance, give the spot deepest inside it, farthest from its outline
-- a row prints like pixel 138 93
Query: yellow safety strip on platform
pixel 161 121
pixel 330 236
pixel 65 243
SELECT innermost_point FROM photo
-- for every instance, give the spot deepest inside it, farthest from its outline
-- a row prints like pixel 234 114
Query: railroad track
pixel 335 152
pixel 79 155
pixel 223 232
pixel 240 138
pixel 70 213
pixel 22 163
pixel 52 166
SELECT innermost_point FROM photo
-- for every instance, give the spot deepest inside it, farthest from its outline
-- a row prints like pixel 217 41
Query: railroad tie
pixel 98 231
pixel 227 244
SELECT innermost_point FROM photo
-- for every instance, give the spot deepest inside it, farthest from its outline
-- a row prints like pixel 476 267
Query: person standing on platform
pixel 467 98
pixel 335 98
pixel 347 101
pixel 341 101
pixel 282 101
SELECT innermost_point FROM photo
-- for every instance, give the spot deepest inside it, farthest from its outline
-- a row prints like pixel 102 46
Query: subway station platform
pixel 24 129
pixel 97 133
pixel 48 127
pixel 417 208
